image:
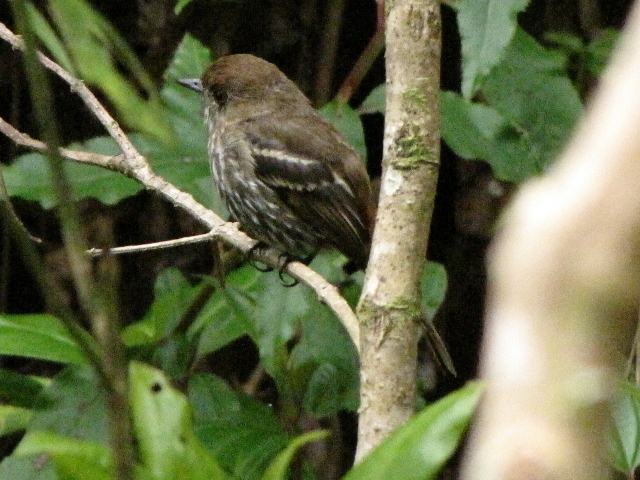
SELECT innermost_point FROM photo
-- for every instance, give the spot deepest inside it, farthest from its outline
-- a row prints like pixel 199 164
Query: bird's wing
pixel 317 175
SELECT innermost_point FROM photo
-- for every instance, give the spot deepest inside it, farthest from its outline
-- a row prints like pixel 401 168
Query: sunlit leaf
pixel 40 336
pixel 419 450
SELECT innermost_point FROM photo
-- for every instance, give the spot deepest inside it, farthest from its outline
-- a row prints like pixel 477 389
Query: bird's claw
pixel 283 261
pixel 254 263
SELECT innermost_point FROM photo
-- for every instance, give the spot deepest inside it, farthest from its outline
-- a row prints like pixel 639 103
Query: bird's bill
pixel 192 83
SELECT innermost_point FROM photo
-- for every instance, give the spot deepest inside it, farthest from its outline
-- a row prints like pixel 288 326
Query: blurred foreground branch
pixel 564 278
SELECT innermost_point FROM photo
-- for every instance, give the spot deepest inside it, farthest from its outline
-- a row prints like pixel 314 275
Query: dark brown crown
pixel 244 76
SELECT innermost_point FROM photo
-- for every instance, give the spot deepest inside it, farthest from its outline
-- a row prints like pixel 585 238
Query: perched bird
pixel 286 175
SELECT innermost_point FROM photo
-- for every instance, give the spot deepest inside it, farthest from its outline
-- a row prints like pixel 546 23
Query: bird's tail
pixel 437 346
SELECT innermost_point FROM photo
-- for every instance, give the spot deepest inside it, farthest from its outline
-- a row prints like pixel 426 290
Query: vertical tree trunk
pixel 390 304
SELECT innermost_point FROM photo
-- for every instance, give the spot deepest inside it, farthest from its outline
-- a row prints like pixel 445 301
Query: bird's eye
pixel 219 94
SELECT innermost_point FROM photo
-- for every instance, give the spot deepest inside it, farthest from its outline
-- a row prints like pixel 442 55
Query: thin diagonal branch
pixel 134 165
pixel 111 162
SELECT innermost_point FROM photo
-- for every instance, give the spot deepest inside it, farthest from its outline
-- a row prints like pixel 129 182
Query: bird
pixel 286 175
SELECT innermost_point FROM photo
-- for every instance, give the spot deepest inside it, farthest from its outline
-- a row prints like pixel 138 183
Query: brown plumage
pixel 286 175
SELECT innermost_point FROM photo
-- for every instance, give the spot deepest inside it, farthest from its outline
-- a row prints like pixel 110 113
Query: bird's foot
pixel 254 263
pixel 283 261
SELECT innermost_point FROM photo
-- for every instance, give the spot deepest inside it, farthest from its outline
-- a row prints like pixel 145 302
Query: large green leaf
pixel 168 446
pixel 28 177
pixel 40 336
pixel 321 371
pixel 185 162
pixel 244 434
pixel 420 449
pixel 530 111
pixel 486 28
pixel 531 91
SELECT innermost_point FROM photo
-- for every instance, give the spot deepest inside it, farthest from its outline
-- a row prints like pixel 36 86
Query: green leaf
pixel 19 390
pixel 375 101
pixel 162 422
pixel 182 162
pixel 244 434
pixel 599 51
pixel 185 162
pixel 99 54
pixel 348 123
pixel 180 5
pixel 434 287
pixel 28 177
pixel 624 438
pixel 73 405
pixel 23 468
pixel 41 336
pixel 469 129
pixel 74 459
pixel 227 316
pixel 13 419
pixel 323 366
pixel 321 371
pixel 173 295
pixel 280 465
pixel 486 28
pixel 49 38
pixel 531 92
pixel 421 448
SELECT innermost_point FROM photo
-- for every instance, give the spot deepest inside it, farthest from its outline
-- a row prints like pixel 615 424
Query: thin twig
pixel 366 59
pixel 147 247
pixel 135 166
pixel 328 50
pixel 112 162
